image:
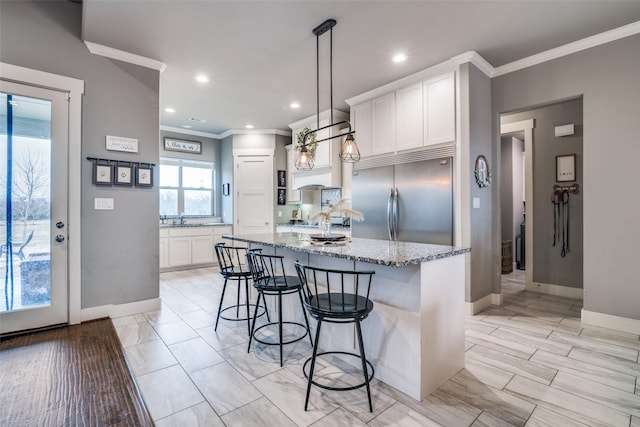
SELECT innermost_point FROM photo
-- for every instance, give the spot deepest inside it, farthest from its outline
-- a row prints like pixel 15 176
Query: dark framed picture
pixel 282 178
pixel 123 175
pixel 144 176
pixel 102 174
pixel 172 144
pixel 566 168
pixel 226 189
pixel 282 196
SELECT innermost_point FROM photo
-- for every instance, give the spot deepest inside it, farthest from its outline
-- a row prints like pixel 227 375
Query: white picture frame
pixel 181 145
pixel 566 168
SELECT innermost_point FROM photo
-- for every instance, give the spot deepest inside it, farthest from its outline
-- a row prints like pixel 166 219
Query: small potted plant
pixel 311 145
pixel 324 217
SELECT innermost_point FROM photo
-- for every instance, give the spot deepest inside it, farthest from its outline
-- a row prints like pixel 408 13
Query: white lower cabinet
pixel 182 247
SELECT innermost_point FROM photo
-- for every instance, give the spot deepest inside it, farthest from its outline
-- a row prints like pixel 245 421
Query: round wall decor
pixel 482 172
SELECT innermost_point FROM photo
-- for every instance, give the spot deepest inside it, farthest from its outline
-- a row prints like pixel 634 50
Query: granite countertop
pixel 314 225
pixel 381 252
pixel 194 224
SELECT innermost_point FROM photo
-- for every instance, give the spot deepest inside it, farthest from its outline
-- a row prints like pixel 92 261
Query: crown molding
pixel 338 115
pixel 190 132
pixel 121 55
pixel 570 48
pixel 474 58
pixel 254 132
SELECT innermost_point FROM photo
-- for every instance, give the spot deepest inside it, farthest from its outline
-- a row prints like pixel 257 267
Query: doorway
pixel 33 251
pixel 253 209
pixel 553 231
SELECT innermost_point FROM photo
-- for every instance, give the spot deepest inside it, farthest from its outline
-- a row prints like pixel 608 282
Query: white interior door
pixel 34 133
pixel 254 195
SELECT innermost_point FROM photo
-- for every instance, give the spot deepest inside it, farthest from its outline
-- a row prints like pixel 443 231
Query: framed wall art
pixel 144 176
pixel 102 174
pixel 282 196
pixel 172 144
pixel 566 168
pixel 282 178
pixel 123 175
pixel 226 189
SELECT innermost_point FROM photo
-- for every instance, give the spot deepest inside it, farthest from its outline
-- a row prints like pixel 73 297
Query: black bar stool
pixel 232 267
pixel 337 296
pixel 269 279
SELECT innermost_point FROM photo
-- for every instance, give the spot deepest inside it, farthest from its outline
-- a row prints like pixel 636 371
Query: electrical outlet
pixel 476 203
pixel 279 214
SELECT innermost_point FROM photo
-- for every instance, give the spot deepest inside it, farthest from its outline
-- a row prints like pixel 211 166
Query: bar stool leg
pixel 246 293
pixel 364 363
pixel 313 363
pixel 255 316
pixel 306 320
pixel 280 324
pixel 224 288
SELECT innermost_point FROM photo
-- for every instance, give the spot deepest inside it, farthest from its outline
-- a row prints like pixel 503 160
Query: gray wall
pixel 483 238
pixel 607 78
pixel 120 247
pixel 211 152
pixel 548 265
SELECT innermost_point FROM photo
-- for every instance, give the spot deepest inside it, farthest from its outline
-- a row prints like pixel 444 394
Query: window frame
pixel 181 163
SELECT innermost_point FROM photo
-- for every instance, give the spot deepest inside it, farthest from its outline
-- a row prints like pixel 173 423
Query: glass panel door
pixel 33 182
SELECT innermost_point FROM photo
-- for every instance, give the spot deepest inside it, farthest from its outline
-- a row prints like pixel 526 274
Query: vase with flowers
pixel 324 217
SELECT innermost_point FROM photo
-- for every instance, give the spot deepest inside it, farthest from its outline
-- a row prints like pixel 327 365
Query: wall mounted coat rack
pixel 107 172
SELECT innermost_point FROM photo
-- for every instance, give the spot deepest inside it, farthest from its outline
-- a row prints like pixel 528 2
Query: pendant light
pixel 349 150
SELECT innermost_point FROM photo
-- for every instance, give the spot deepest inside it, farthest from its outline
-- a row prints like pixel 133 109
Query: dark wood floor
pixel 68 376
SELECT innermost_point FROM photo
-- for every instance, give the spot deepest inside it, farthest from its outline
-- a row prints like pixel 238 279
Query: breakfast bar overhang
pixel 415 335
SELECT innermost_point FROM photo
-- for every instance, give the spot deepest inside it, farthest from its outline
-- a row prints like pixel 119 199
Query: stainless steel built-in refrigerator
pixel 408 202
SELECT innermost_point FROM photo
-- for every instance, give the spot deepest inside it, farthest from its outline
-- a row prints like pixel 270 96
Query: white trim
pixel 75 87
pixel 119 310
pixel 610 321
pixel 559 290
pixel 474 57
pixel 486 301
pixel 516 126
pixel 255 132
pixel 121 55
pixel 190 132
pixel 569 48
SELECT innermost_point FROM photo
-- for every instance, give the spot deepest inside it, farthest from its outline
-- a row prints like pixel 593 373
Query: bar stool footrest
pixel 326 387
pixel 242 306
pixel 255 338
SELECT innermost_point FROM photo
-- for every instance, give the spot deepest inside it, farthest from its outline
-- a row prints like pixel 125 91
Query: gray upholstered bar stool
pixel 270 279
pixel 337 296
pixel 231 261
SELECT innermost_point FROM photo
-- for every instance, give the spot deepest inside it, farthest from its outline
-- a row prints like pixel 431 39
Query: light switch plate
pixel 103 204
pixel 476 203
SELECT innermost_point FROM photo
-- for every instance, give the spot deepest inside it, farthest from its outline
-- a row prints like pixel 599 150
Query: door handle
pixel 59 238
pixel 396 214
pixel 390 214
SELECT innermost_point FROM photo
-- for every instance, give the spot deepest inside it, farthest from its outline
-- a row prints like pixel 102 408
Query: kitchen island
pixel 415 335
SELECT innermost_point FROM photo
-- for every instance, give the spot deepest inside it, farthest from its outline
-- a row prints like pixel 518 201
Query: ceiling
pixel 261 55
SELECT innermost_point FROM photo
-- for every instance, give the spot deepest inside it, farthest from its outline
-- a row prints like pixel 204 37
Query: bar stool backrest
pixel 268 270
pixel 231 259
pixel 336 293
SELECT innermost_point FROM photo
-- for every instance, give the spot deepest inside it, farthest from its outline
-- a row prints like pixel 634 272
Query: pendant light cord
pixel 331 71
pixel 317 81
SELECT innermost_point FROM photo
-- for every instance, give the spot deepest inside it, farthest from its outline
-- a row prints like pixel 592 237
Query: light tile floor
pixel 530 362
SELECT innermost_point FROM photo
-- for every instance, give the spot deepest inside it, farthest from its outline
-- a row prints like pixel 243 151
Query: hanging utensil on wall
pixel 562 215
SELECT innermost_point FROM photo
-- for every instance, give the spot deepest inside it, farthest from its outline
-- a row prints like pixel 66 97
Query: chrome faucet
pixel 182 220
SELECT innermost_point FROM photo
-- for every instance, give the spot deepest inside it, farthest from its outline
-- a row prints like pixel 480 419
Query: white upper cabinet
pixel 293 196
pixel 409 117
pixel 361 123
pixel 383 136
pixel 439 110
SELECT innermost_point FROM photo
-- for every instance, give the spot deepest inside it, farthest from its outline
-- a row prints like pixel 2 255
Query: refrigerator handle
pixel 390 215
pixel 396 214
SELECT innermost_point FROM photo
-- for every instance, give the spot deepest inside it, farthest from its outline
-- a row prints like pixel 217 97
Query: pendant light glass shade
pixel 304 161
pixel 349 152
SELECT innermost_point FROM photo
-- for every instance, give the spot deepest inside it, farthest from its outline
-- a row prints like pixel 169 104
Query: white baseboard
pixel 486 301
pixel 558 290
pixel 119 310
pixel 609 321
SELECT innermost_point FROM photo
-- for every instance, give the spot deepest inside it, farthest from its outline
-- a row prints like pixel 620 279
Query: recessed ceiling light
pixel 294 105
pixel 249 126
pixel 169 110
pixel 186 126
pixel 400 57
pixel 201 78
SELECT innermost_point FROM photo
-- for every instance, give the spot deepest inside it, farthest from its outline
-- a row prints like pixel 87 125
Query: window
pixel 186 187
